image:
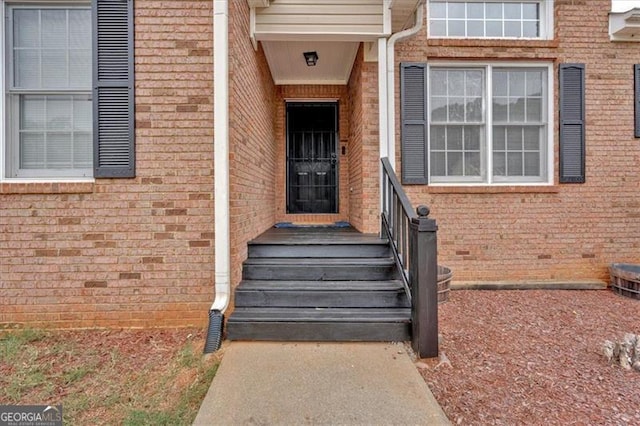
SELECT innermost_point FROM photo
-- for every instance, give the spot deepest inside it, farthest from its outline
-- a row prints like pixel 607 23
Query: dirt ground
pixel 131 377
pixel 534 357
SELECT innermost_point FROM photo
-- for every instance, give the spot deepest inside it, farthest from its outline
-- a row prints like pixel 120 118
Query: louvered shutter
pixel 413 104
pixel 572 123
pixel 636 100
pixel 113 89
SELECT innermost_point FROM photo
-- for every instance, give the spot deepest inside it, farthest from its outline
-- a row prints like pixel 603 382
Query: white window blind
pixel 50 108
pixel 488 124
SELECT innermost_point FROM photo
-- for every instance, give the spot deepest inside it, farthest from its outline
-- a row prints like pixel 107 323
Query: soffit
pixel 336 50
pixel 625 26
pixel 403 13
pixel 288 66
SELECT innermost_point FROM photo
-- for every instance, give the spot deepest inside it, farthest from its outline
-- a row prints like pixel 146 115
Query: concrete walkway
pixel 268 383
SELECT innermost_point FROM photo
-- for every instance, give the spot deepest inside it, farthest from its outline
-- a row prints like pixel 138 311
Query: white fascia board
pixel 284 82
pixel 258 3
pixel 386 17
pixel 354 37
pixel 252 28
pixel 625 26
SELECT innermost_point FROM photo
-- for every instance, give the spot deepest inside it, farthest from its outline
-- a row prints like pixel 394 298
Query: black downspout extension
pixel 214 332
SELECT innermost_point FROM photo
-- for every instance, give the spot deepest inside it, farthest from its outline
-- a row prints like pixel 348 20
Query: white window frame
pixel 547 175
pixel 8 149
pixel 546 20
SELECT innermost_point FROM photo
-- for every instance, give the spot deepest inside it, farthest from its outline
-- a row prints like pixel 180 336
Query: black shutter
pixel 572 124
pixel 636 100
pixel 413 136
pixel 113 104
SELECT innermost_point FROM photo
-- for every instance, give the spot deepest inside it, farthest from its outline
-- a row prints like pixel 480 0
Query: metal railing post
pixel 423 274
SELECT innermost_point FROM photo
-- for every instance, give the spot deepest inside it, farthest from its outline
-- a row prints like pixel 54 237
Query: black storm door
pixel 312 158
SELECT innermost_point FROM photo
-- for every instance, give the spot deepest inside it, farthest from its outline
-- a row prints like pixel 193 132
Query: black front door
pixel 312 157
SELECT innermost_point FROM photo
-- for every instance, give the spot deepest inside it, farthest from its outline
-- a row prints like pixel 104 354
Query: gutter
pixel 390 89
pixel 221 174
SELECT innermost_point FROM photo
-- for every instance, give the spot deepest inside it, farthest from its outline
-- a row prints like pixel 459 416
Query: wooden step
pixel 322 269
pixel 379 248
pixel 318 242
pixel 319 284
pixel 312 324
pixel 339 294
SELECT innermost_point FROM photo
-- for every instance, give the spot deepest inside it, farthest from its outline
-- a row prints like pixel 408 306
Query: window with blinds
pixel 49 103
pixel 486 124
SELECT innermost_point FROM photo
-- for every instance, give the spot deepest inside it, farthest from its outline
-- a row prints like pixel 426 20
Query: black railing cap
pixel 422 210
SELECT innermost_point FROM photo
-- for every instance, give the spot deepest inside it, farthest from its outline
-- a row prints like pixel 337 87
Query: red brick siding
pixel 370 149
pixel 127 252
pixel 251 139
pixel 364 154
pixel 569 231
pixel 355 142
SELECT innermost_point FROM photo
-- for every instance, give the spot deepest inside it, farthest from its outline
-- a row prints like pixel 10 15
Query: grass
pixel 183 413
pixel 142 377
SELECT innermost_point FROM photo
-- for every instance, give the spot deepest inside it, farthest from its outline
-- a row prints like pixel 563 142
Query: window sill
pixel 492 42
pixel 496 189
pixel 64 187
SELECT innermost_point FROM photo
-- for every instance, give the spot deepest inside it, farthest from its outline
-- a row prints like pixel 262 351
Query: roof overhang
pixel 625 26
pixel 258 3
pixel 288 29
pixel 403 13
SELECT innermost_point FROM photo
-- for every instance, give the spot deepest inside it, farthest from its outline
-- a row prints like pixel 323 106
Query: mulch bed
pixel 534 357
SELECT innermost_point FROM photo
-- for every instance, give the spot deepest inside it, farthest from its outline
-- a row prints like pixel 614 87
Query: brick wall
pixel 370 149
pixel 355 142
pixel 139 252
pixel 127 252
pixel 364 151
pixel 251 139
pixel 567 231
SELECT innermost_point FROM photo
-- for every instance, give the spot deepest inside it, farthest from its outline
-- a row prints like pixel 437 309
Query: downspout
pixel 382 112
pixel 391 97
pixel 221 174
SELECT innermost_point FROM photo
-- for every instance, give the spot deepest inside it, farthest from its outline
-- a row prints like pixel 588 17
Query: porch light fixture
pixel 311 58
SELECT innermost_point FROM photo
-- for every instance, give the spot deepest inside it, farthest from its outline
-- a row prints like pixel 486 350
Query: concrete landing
pixel 274 383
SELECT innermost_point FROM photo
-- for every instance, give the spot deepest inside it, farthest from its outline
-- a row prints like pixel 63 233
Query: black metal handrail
pixel 412 236
pixel 397 214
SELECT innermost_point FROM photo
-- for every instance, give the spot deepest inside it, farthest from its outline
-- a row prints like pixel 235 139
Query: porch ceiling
pixel 288 28
pixel 288 66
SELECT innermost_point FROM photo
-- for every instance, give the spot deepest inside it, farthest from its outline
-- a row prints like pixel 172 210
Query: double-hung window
pixel 507 19
pixel 48 74
pixel 67 109
pixel 489 124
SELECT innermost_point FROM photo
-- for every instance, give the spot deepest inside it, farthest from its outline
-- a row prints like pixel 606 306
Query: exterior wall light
pixel 311 58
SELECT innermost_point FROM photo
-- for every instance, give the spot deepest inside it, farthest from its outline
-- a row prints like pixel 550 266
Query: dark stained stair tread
pixel 319 284
pixel 286 262
pixel 390 285
pixel 321 331
pixel 327 315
